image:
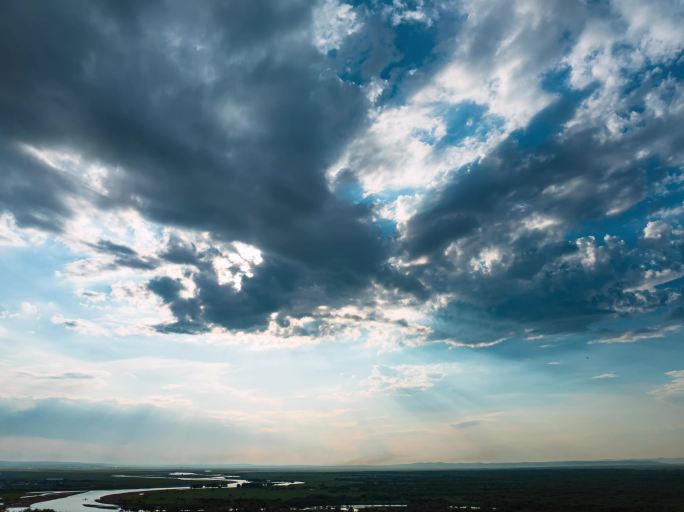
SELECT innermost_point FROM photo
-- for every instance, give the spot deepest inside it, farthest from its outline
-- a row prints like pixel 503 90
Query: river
pixel 79 502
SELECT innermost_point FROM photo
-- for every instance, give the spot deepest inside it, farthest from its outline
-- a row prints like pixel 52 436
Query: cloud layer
pixel 528 166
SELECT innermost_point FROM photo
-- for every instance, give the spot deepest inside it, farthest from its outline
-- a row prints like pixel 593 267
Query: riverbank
pixel 20 499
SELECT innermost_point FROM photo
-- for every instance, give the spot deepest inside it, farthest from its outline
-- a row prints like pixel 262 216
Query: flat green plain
pixel 626 489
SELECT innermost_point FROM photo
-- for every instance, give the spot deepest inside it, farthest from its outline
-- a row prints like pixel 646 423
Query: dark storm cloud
pixel 566 275
pixel 278 285
pixel 508 182
pixel 124 256
pixel 35 193
pixel 216 117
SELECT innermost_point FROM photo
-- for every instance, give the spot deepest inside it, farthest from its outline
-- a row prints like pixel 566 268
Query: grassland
pixel 550 489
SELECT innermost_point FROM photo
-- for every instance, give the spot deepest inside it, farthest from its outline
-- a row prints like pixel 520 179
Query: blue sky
pixel 342 232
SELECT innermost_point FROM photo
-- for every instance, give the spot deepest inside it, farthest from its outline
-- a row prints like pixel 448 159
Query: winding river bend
pixel 88 501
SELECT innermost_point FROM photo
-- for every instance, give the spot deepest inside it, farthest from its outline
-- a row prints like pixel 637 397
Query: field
pixel 654 488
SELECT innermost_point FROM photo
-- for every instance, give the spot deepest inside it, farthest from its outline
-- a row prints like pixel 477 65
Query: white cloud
pixel 13 236
pixel 587 251
pixel 91 174
pixel 9 233
pixel 333 22
pixel 604 376
pixel 486 261
pixel 28 309
pixel 673 390
pixel 406 377
pixel 538 222
pixel 498 61
pixel 398 150
pixel 115 293
pixel 504 73
pixel 236 263
pixel 655 27
pixel 81 326
pixel 657 229
pixel 652 278
pixel 637 335
pixel 25 310
pixel 675 211
pixel 477 420
pixel 480 344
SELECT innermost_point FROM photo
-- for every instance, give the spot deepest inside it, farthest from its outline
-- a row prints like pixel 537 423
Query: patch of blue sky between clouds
pixel 463 120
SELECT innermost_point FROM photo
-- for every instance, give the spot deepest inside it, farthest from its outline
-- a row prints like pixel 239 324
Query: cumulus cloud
pixel 28 309
pixel 406 378
pixel 333 23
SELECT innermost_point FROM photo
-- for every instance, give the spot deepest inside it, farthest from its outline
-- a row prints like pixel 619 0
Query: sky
pixel 341 232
